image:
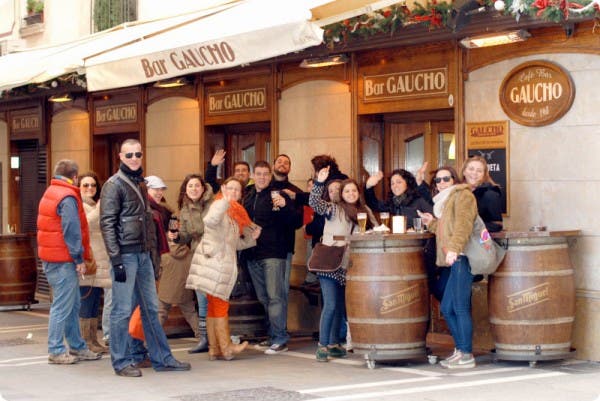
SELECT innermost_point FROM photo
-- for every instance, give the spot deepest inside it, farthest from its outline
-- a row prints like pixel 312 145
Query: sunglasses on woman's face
pixel 86 185
pixel 131 154
pixel 445 178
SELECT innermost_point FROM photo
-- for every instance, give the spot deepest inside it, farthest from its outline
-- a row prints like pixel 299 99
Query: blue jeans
pixel 64 311
pixel 106 312
pixel 268 278
pixel 139 288
pixel 333 311
pixel 202 304
pixel 456 304
pixel 90 301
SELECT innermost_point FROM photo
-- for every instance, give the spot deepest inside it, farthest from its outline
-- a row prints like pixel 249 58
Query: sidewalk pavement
pixel 294 375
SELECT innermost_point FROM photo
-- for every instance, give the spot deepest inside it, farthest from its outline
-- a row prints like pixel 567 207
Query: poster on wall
pixel 490 141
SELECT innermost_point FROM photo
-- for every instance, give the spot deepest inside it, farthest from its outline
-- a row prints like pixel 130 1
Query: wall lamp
pixel 172 83
pixel 501 38
pixel 325 61
pixel 62 98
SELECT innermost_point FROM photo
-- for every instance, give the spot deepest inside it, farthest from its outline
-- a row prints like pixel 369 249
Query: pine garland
pixel 435 15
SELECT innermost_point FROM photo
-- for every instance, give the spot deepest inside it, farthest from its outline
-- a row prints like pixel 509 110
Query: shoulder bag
pixel 328 258
pixel 484 254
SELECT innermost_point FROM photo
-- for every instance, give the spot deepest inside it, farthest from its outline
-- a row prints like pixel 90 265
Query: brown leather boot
pixel 214 351
pixel 93 327
pixel 228 349
pixel 84 327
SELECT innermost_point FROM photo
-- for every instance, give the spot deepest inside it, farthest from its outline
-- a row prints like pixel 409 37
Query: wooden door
pixel 105 153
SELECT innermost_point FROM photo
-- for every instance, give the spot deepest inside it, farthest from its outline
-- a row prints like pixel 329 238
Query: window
pixel 110 13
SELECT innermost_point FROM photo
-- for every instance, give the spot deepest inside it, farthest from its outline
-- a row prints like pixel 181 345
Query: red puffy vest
pixel 50 240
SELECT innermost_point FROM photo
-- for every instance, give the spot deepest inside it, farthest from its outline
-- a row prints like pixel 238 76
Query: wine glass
pixel 173 225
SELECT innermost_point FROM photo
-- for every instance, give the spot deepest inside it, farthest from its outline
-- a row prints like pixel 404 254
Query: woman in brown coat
pixel 455 210
pixel 195 196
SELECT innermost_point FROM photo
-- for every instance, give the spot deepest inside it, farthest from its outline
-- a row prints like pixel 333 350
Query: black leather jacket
pixel 125 220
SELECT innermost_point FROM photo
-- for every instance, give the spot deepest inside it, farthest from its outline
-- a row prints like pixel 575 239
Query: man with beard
pixel 281 169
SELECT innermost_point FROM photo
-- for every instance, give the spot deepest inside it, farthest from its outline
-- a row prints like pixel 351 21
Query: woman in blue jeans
pixel 340 219
pixel 455 210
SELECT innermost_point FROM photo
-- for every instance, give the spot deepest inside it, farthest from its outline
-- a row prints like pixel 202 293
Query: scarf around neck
pixel 439 201
pixel 237 212
pixel 136 176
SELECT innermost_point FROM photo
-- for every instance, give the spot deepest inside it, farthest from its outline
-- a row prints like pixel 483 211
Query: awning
pixel 233 33
pixel 249 31
pixel 44 63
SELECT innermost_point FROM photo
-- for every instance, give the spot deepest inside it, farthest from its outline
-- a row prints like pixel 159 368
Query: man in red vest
pixel 63 243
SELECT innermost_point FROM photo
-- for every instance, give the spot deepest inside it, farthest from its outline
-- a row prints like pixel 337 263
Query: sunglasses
pixel 131 154
pixel 446 178
pixel 88 185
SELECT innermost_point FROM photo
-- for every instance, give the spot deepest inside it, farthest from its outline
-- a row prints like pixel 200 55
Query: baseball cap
pixel 155 182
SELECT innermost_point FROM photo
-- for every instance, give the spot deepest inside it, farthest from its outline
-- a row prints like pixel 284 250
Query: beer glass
pixel 385 219
pixel 362 222
pixel 274 195
pixel 418 224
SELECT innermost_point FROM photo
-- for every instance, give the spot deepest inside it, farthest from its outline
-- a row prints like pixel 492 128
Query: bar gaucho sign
pixel 537 93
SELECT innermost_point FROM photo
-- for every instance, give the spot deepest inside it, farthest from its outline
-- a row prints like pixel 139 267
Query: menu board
pixel 490 141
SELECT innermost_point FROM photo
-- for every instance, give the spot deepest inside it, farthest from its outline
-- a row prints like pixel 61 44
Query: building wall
pixel 70 138
pixel 5 161
pixel 173 142
pixel 314 118
pixel 553 175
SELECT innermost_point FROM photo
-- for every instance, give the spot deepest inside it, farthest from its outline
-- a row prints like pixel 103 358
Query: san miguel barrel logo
pixel 537 93
pixel 399 300
pixel 528 297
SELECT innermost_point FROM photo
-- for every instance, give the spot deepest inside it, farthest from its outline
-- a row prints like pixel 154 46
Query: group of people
pixel 134 238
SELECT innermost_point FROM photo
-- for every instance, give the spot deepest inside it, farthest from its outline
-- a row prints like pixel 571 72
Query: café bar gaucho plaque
pixel 537 93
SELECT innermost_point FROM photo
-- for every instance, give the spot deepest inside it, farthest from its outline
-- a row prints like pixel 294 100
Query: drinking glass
pixel 173 224
pixel 385 219
pixel 274 194
pixel 418 224
pixel 362 222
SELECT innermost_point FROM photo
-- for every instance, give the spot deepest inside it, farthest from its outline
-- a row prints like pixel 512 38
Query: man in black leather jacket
pixel 125 223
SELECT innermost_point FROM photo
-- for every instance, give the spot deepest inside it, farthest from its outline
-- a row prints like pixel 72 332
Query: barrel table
pixel 531 297
pixel 18 272
pixel 387 298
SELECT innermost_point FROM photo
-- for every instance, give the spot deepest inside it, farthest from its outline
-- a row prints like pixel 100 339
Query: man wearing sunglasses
pixel 128 232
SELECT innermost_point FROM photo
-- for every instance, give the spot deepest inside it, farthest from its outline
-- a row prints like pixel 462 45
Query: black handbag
pixel 328 258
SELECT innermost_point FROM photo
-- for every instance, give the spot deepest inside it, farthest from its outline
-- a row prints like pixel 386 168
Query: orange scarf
pixel 237 212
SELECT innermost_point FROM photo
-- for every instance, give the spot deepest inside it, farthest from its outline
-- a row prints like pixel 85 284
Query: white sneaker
pixel 276 349
pixel 466 361
pixel 455 354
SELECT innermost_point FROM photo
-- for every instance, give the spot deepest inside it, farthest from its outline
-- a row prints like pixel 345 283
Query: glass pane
pixel 415 154
pixel 249 155
pixel 447 149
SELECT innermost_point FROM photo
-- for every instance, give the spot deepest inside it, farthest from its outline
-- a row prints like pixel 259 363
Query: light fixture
pixel 171 83
pixel 501 38
pixel 62 98
pixel 324 61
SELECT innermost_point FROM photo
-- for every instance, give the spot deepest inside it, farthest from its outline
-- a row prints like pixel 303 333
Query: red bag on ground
pixel 135 325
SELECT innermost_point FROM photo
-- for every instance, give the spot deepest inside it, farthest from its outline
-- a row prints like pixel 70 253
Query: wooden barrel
pixel 246 314
pixel 18 272
pixel 387 298
pixel 532 300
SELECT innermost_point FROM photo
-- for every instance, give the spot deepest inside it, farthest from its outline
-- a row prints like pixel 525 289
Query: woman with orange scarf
pixel 227 229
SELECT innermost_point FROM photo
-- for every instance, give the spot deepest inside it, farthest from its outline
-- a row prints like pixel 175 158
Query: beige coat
pixel 102 277
pixel 454 228
pixel 175 267
pixel 214 264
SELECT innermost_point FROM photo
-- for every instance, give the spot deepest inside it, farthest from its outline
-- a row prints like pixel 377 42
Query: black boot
pixel 202 345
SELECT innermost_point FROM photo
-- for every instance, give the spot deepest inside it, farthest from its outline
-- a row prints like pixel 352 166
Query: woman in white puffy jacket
pixel 227 229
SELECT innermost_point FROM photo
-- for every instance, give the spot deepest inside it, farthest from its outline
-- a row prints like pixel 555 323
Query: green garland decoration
pixel 436 15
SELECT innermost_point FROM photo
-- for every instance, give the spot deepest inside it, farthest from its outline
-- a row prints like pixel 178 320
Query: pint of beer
pixel 362 222
pixel 385 219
